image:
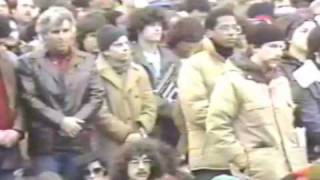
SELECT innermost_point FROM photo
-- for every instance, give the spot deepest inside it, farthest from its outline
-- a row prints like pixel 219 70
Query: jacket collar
pixel 106 72
pixel 250 70
pixel 166 58
pixel 208 46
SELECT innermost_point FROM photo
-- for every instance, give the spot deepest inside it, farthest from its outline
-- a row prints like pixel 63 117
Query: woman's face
pixel 299 38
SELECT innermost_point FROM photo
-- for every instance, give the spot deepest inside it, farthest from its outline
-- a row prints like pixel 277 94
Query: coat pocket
pixel 257 114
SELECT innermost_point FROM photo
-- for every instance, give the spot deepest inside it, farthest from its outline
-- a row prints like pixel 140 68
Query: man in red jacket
pixel 11 125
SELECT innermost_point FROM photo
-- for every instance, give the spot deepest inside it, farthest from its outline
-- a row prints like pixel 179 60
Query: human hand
pixel 133 137
pixel 71 126
pixel 9 138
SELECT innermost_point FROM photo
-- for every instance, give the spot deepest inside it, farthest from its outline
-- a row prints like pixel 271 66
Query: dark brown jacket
pixel 50 95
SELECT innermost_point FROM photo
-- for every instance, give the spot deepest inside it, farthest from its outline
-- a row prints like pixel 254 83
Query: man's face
pixel 226 31
pixel 4 9
pixel 90 43
pixel 95 171
pixel 152 32
pixel 270 53
pixel 139 168
pixel 300 36
pixel 61 37
pixel 119 49
pixel 26 10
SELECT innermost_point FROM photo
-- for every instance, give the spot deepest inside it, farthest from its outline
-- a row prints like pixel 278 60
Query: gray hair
pixel 52 17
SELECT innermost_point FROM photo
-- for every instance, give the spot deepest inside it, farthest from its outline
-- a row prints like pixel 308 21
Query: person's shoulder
pixel 137 67
pixel 84 55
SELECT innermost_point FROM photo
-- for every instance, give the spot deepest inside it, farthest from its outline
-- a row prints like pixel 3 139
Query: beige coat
pixel 196 80
pixel 253 120
pixel 127 104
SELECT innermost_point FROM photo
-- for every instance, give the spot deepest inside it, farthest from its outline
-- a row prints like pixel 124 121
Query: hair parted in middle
pixel 148 147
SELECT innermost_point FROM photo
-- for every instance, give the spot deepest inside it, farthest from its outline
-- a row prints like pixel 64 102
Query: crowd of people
pixel 160 89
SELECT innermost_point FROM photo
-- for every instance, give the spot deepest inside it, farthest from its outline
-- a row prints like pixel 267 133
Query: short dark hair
pixel 200 5
pixel 212 17
pixel 186 29
pixel 90 23
pixel 143 17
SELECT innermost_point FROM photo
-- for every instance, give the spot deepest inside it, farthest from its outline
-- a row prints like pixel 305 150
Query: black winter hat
pixel 107 35
pixel 264 33
pixel 5 28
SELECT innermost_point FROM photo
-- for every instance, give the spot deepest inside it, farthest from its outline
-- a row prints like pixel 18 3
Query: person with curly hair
pixel 146 159
pixel 137 161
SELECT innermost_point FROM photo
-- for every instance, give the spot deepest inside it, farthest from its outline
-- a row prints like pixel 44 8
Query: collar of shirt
pixel 155 60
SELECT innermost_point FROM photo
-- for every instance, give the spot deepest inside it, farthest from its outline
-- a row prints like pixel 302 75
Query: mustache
pixel 142 172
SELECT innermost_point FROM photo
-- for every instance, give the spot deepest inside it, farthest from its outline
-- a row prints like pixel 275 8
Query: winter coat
pixel 127 106
pixel 308 106
pixel 196 79
pixel 251 116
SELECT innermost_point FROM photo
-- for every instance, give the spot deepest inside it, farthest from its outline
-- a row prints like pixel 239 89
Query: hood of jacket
pixel 241 62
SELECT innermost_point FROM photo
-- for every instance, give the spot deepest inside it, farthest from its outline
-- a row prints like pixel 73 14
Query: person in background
pixel 197 9
pixel 87 28
pixel 91 167
pixel 303 48
pixel 183 39
pixel 24 13
pixel 61 87
pixel 146 32
pixel 12 125
pixel 4 8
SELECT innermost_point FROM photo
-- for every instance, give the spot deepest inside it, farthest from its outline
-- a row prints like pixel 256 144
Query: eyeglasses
pixel 226 28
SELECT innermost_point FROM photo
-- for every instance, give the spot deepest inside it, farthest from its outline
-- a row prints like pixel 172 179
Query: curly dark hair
pixel 186 29
pixel 139 19
pixel 119 168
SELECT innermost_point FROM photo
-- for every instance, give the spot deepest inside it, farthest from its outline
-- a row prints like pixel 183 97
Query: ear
pixel 209 33
pixel 255 50
pixel 105 53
